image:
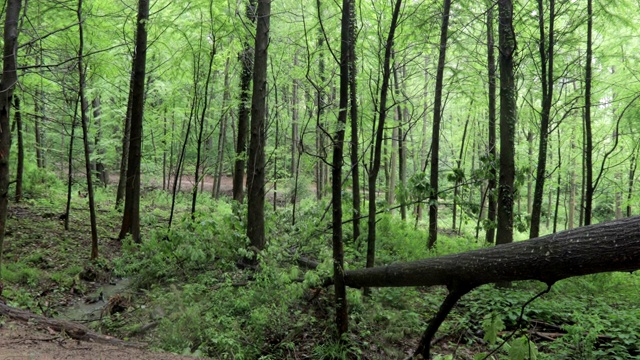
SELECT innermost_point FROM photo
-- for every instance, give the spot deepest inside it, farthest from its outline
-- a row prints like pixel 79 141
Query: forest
pixel 354 179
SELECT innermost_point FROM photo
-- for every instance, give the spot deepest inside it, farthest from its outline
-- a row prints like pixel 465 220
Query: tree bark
pixel 382 111
pixel 546 68
pixel 493 173
pixel 353 114
pixel 246 59
pixel 435 134
pixel 605 247
pixel 101 170
pixel 131 216
pixel 7 84
pixel 632 176
pixel 342 318
pixel 588 145
pixel 20 165
pixel 507 44
pixel 256 168
pixel 84 109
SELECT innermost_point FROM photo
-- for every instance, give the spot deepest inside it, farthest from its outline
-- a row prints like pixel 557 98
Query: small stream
pixel 82 310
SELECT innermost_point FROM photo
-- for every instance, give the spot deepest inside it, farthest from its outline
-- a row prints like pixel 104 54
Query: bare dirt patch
pixel 20 341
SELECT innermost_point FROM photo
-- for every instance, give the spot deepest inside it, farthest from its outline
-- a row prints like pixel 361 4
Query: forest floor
pixel 58 278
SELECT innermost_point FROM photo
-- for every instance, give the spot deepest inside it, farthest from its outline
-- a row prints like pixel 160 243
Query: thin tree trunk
pixel 101 169
pixel 126 135
pixel 84 110
pixel 632 175
pixel 20 165
pixel 131 216
pixel 197 179
pixel 382 111
pixel 67 211
pixel 458 171
pixel 246 59
pixel 588 145
pixel 493 173
pixel 226 96
pixel 435 134
pixel 558 186
pixel 256 168
pixel 507 46
pixel 342 318
pixel 353 114
pixel 547 80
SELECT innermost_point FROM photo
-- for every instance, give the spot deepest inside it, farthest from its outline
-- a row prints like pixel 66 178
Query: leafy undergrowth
pixel 190 296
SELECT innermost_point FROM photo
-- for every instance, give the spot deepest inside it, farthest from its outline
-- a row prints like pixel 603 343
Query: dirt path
pixel 21 341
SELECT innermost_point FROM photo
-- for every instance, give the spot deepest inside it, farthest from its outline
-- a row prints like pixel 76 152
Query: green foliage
pixel 522 349
pixel 492 325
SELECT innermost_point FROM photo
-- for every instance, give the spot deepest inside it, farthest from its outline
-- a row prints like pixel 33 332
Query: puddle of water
pixel 83 311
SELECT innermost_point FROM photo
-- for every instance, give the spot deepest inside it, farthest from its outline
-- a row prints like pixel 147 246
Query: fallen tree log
pixel 73 330
pixel 605 247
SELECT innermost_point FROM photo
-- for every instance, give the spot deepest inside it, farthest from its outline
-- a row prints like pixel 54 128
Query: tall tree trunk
pixel 246 59
pixel 256 168
pixel 131 216
pixel 382 111
pixel 212 54
pixel 572 192
pixel 342 319
pixel 588 144
pixel 353 114
pixel 20 166
pixel 435 134
pixel 507 47
pixel 7 85
pixel 493 173
pixel 320 103
pixel 84 116
pixel 546 68
pixel 558 185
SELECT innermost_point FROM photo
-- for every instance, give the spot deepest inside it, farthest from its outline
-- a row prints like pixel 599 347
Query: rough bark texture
pixel 435 134
pixel 508 115
pixel 605 247
pixel 7 85
pixel 131 217
pixel 256 167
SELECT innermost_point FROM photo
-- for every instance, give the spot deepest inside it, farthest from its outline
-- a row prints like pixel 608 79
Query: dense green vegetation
pixel 186 282
pixel 348 122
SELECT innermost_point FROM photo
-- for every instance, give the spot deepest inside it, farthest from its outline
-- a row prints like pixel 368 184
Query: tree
pixel 377 154
pixel 588 133
pixel 435 132
pixel 606 247
pixel 508 116
pixel 342 319
pixel 84 117
pixel 493 173
pixel 246 60
pixel 547 81
pixel 7 85
pixel 256 166
pixel 131 215
pixel 20 165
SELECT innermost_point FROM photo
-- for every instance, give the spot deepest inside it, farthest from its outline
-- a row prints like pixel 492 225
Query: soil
pixel 20 341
